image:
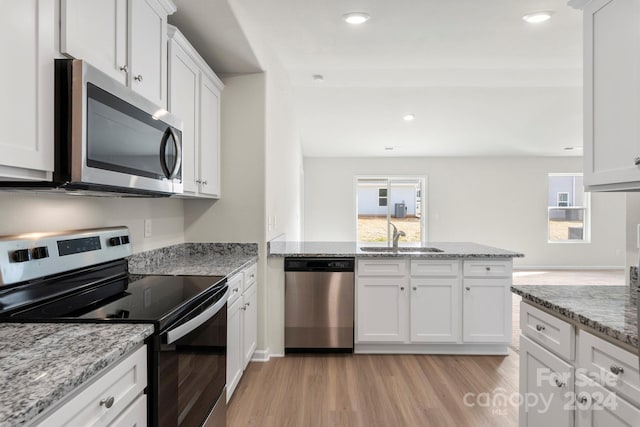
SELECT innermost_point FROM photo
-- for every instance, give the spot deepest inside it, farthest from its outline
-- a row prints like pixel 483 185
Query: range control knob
pixel 124 240
pixel 114 241
pixel 21 255
pixel 40 252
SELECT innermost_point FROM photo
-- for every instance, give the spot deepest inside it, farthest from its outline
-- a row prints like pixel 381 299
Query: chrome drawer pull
pixel 108 402
pixel 583 400
pixel 558 382
pixel 488 268
pixel 616 370
pixel 636 161
pixel 540 328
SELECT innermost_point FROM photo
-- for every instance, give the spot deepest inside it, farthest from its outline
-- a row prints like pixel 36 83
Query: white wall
pixel 496 201
pixel 32 212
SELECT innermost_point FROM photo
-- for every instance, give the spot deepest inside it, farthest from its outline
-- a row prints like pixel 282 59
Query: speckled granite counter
pixel 42 363
pixel 352 249
pixel 196 259
pixel 609 310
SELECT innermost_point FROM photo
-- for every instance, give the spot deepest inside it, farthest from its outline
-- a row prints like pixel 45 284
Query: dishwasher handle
pixel 319 264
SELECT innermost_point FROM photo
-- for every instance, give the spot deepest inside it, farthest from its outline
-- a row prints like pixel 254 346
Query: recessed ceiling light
pixel 318 78
pixel 356 18
pixel 409 117
pixel 538 17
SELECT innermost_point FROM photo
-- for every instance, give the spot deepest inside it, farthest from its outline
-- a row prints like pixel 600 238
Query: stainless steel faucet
pixel 396 236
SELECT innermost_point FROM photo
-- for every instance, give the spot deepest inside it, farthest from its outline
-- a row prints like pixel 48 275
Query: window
pixel 382 196
pixel 390 200
pixel 563 199
pixel 568 209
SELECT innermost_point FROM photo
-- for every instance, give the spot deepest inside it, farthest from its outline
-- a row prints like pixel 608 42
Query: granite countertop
pixel 195 259
pixel 42 363
pixel 610 310
pixel 352 249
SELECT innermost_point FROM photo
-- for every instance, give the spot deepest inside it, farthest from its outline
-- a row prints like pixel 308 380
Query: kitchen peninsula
pixel 440 298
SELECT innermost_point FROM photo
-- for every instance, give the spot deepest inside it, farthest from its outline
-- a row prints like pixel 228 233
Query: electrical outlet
pixel 147 228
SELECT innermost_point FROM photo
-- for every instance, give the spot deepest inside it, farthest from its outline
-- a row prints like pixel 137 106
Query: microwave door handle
pixel 170 174
pixel 175 334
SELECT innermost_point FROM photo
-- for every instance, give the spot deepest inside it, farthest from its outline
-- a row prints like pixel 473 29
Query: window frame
pixel 389 179
pixel 586 207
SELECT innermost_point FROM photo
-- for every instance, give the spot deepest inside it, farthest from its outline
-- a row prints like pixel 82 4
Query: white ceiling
pixel 479 79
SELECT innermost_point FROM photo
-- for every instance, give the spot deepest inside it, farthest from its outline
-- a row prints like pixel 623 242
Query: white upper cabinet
pixel 96 31
pixel 194 96
pixel 27 87
pixel 126 39
pixel 612 95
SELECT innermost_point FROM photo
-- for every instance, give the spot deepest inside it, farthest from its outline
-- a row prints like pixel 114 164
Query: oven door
pixel 191 368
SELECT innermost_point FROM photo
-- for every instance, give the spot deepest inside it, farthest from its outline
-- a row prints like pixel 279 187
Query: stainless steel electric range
pixel 82 276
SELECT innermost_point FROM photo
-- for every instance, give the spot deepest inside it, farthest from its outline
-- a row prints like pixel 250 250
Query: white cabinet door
pixel 597 406
pixel 550 380
pixel 383 304
pixel 148 50
pixel 134 416
pixel 249 324
pixel 96 31
pixel 184 81
pixel 612 93
pixel 26 84
pixel 209 137
pixel 435 309
pixel 486 308
pixel 234 346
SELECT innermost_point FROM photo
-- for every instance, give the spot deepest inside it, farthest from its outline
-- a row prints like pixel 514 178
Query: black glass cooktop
pixel 150 299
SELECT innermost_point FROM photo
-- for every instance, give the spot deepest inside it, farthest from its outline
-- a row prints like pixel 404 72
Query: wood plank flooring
pixel 374 390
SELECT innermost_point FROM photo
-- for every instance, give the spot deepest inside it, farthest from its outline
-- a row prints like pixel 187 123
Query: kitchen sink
pixel 385 249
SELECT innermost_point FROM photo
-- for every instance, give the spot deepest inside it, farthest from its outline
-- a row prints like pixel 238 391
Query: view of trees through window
pixel 568 208
pixel 381 201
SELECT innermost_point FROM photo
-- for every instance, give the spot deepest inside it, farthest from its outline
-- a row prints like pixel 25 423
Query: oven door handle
pixel 174 335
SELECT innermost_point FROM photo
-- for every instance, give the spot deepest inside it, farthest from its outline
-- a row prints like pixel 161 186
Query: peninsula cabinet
pixel 417 305
pixel 611 95
pixel 126 39
pixel 26 84
pixel 194 96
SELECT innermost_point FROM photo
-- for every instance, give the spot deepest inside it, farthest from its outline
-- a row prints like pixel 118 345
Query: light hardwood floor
pixel 375 390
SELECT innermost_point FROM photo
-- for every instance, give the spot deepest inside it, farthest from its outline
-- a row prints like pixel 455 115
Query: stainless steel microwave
pixel 109 139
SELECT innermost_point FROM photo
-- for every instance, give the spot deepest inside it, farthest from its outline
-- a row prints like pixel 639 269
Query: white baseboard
pixel 466 349
pixel 263 355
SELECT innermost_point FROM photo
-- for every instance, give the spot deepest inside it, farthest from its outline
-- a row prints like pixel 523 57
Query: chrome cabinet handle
pixel 124 68
pixel 616 370
pixel 205 182
pixel 248 304
pixel 636 161
pixel 583 400
pixel 540 328
pixel 488 268
pixel 468 288
pixel 108 402
pixel 415 288
pixel 558 382
pixel 138 78
pixel 198 181
pixel 402 288
pixel 235 290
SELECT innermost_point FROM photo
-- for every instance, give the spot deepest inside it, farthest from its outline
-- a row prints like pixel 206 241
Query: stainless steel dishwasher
pixel 319 304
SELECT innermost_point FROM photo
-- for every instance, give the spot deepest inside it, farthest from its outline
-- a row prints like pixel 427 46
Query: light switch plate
pixel 147 228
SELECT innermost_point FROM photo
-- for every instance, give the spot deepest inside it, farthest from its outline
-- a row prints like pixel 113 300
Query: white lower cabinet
pixel 548 380
pixel 486 308
pixel 114 399
pixel 599 389
pixel 242 324
pixel 419 303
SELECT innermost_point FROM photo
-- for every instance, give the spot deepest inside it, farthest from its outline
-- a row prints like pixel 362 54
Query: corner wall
pixel 495 201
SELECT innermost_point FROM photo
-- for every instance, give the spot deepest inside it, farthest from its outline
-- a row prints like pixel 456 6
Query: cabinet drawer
pixel 549 331
pixel 487 268
pixel 613 367
pixel 435 267
pixel 235 288
pixel 124 382
pixel 597 406
pixel 250 275
pixel 134 416
pixel 382 267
